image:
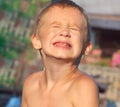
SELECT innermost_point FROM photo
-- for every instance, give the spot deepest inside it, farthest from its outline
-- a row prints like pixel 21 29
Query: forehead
pixel 57 10
pixel 60 8
pixel 61 12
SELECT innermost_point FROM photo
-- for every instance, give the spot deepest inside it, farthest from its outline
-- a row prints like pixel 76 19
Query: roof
pixel 102 13
pixel 104 21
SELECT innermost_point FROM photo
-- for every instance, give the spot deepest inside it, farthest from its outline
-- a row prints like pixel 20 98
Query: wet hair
pixel 65 4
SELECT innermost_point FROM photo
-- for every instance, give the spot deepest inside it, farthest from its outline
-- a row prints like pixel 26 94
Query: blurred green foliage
pixel 11 45
pixel 15 6
pixel 10 5
pixel 7 82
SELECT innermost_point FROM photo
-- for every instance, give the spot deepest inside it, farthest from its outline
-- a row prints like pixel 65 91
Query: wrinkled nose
pixel 65 33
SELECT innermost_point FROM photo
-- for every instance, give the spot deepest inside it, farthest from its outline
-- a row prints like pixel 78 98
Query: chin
pixel 63 57
pixel 60 55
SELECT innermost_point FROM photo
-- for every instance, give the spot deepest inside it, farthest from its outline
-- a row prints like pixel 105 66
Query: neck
pixel 58 70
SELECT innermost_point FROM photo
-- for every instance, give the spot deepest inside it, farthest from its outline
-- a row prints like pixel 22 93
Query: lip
pixel 62 44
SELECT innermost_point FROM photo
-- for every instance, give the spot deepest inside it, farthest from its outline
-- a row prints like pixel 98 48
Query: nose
pixel 65 33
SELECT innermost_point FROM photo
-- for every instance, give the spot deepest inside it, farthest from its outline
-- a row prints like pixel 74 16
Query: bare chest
pixel 54 99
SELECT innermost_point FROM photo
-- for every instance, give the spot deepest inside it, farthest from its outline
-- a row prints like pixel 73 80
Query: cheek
pixel 78 39
pixel 46 40
pixel 78 42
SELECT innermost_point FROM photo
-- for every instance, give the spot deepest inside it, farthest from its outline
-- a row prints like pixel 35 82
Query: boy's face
pixel 60 33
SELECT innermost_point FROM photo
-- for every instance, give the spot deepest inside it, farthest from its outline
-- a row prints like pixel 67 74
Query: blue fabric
pixel 14 102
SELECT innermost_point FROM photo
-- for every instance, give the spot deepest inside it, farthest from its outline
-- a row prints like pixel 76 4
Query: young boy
pixel 61 35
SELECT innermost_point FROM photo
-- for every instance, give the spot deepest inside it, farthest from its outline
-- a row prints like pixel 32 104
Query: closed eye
pixel 75 29
pixel 55 26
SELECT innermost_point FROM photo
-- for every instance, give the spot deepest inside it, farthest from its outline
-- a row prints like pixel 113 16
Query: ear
pixel 36 42
pixel 88 48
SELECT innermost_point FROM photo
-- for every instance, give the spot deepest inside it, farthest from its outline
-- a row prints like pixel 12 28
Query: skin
pixel 60 84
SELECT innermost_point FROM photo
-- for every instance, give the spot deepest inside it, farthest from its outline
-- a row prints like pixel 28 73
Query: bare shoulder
pixel 30 85
pixel 85 81
pixel 31 81
pixel 85 90
pixel 33 77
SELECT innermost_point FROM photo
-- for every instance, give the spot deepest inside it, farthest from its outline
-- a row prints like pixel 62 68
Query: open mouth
pixel 62 44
